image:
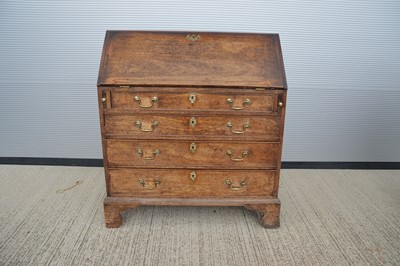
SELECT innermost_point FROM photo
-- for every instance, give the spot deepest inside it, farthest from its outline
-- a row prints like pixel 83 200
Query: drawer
pixel 192 99
pixel 157 126
pixel 200 154
pixel 190 183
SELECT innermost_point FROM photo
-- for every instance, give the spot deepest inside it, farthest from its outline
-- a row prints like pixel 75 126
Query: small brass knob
pixel 280 104
pixel 104 99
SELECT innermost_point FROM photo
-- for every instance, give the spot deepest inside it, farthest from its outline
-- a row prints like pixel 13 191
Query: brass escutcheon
pixel 193 122
pixel 192 98
pixel 193 176
pixel 193 147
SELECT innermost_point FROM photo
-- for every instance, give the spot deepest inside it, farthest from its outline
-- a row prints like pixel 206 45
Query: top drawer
pixel 147 99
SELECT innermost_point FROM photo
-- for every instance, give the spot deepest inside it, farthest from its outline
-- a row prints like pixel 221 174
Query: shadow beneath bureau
pixel 268 209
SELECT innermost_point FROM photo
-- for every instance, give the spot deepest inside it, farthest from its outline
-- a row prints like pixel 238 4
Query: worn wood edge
pixel 269 213
pixel 206 141
pixel 191 112
pixel 282 112
pixel 106 43
pixel 222 86
pixel 103 138
pixel 195 32
pixel 185 166
pixel 190 138
pixel 191 202
pixel 279 55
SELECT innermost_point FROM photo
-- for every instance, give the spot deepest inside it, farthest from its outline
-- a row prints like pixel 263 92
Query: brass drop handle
pixel 141 154
pixel 156 183
pixel 245 153
pixel 280 104
pixel 229 183
pixel 153 100
pixel 245 126
pixel 138 124
pixel 245 102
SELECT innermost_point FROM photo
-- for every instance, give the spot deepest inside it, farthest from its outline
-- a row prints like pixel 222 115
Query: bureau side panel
pixel 282 98
pixel 103 101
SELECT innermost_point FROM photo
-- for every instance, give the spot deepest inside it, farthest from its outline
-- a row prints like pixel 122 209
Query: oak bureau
pixel 192 119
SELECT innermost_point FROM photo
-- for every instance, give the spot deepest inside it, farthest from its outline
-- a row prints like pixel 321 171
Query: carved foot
pixel 112 216
pixel 269 214
pixel 112 213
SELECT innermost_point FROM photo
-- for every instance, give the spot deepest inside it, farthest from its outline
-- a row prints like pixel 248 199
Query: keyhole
pixel 192 122
pixel 193 175
pixel 192 98
pixel 193 147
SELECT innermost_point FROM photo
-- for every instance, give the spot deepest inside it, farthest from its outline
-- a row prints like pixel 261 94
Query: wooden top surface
pixel 174 59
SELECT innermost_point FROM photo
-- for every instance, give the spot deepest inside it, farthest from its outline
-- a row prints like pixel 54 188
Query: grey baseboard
pixel 285 165
pixel 341 165
pixel 51 161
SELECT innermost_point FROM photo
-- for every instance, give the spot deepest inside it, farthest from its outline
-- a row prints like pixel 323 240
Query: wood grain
pixel 213 104
pixel 269 213
pixel 263 128
pixel 205 99
pixel 182 183
pixel 169 59
pixel 177 154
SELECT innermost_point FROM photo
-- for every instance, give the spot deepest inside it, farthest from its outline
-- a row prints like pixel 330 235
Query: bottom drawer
pixel 190 183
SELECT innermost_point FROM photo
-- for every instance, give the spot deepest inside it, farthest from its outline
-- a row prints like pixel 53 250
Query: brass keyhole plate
pixel 192 122
pixel 193 147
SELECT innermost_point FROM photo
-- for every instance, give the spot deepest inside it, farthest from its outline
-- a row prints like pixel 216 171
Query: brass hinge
pixel 193 37
pixel 124 86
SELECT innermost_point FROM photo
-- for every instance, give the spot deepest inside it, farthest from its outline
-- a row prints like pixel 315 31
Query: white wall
pixel 342 63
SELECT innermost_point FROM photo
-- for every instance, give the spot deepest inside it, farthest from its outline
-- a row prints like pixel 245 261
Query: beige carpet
pixel 329 217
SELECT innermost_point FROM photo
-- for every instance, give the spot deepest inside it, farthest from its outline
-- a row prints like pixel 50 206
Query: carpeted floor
pixel 329 217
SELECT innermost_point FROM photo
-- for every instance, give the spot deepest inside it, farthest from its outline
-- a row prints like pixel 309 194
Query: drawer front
pixel 190 183
pixel 183 154
pixel 153 126
pixel 196 99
